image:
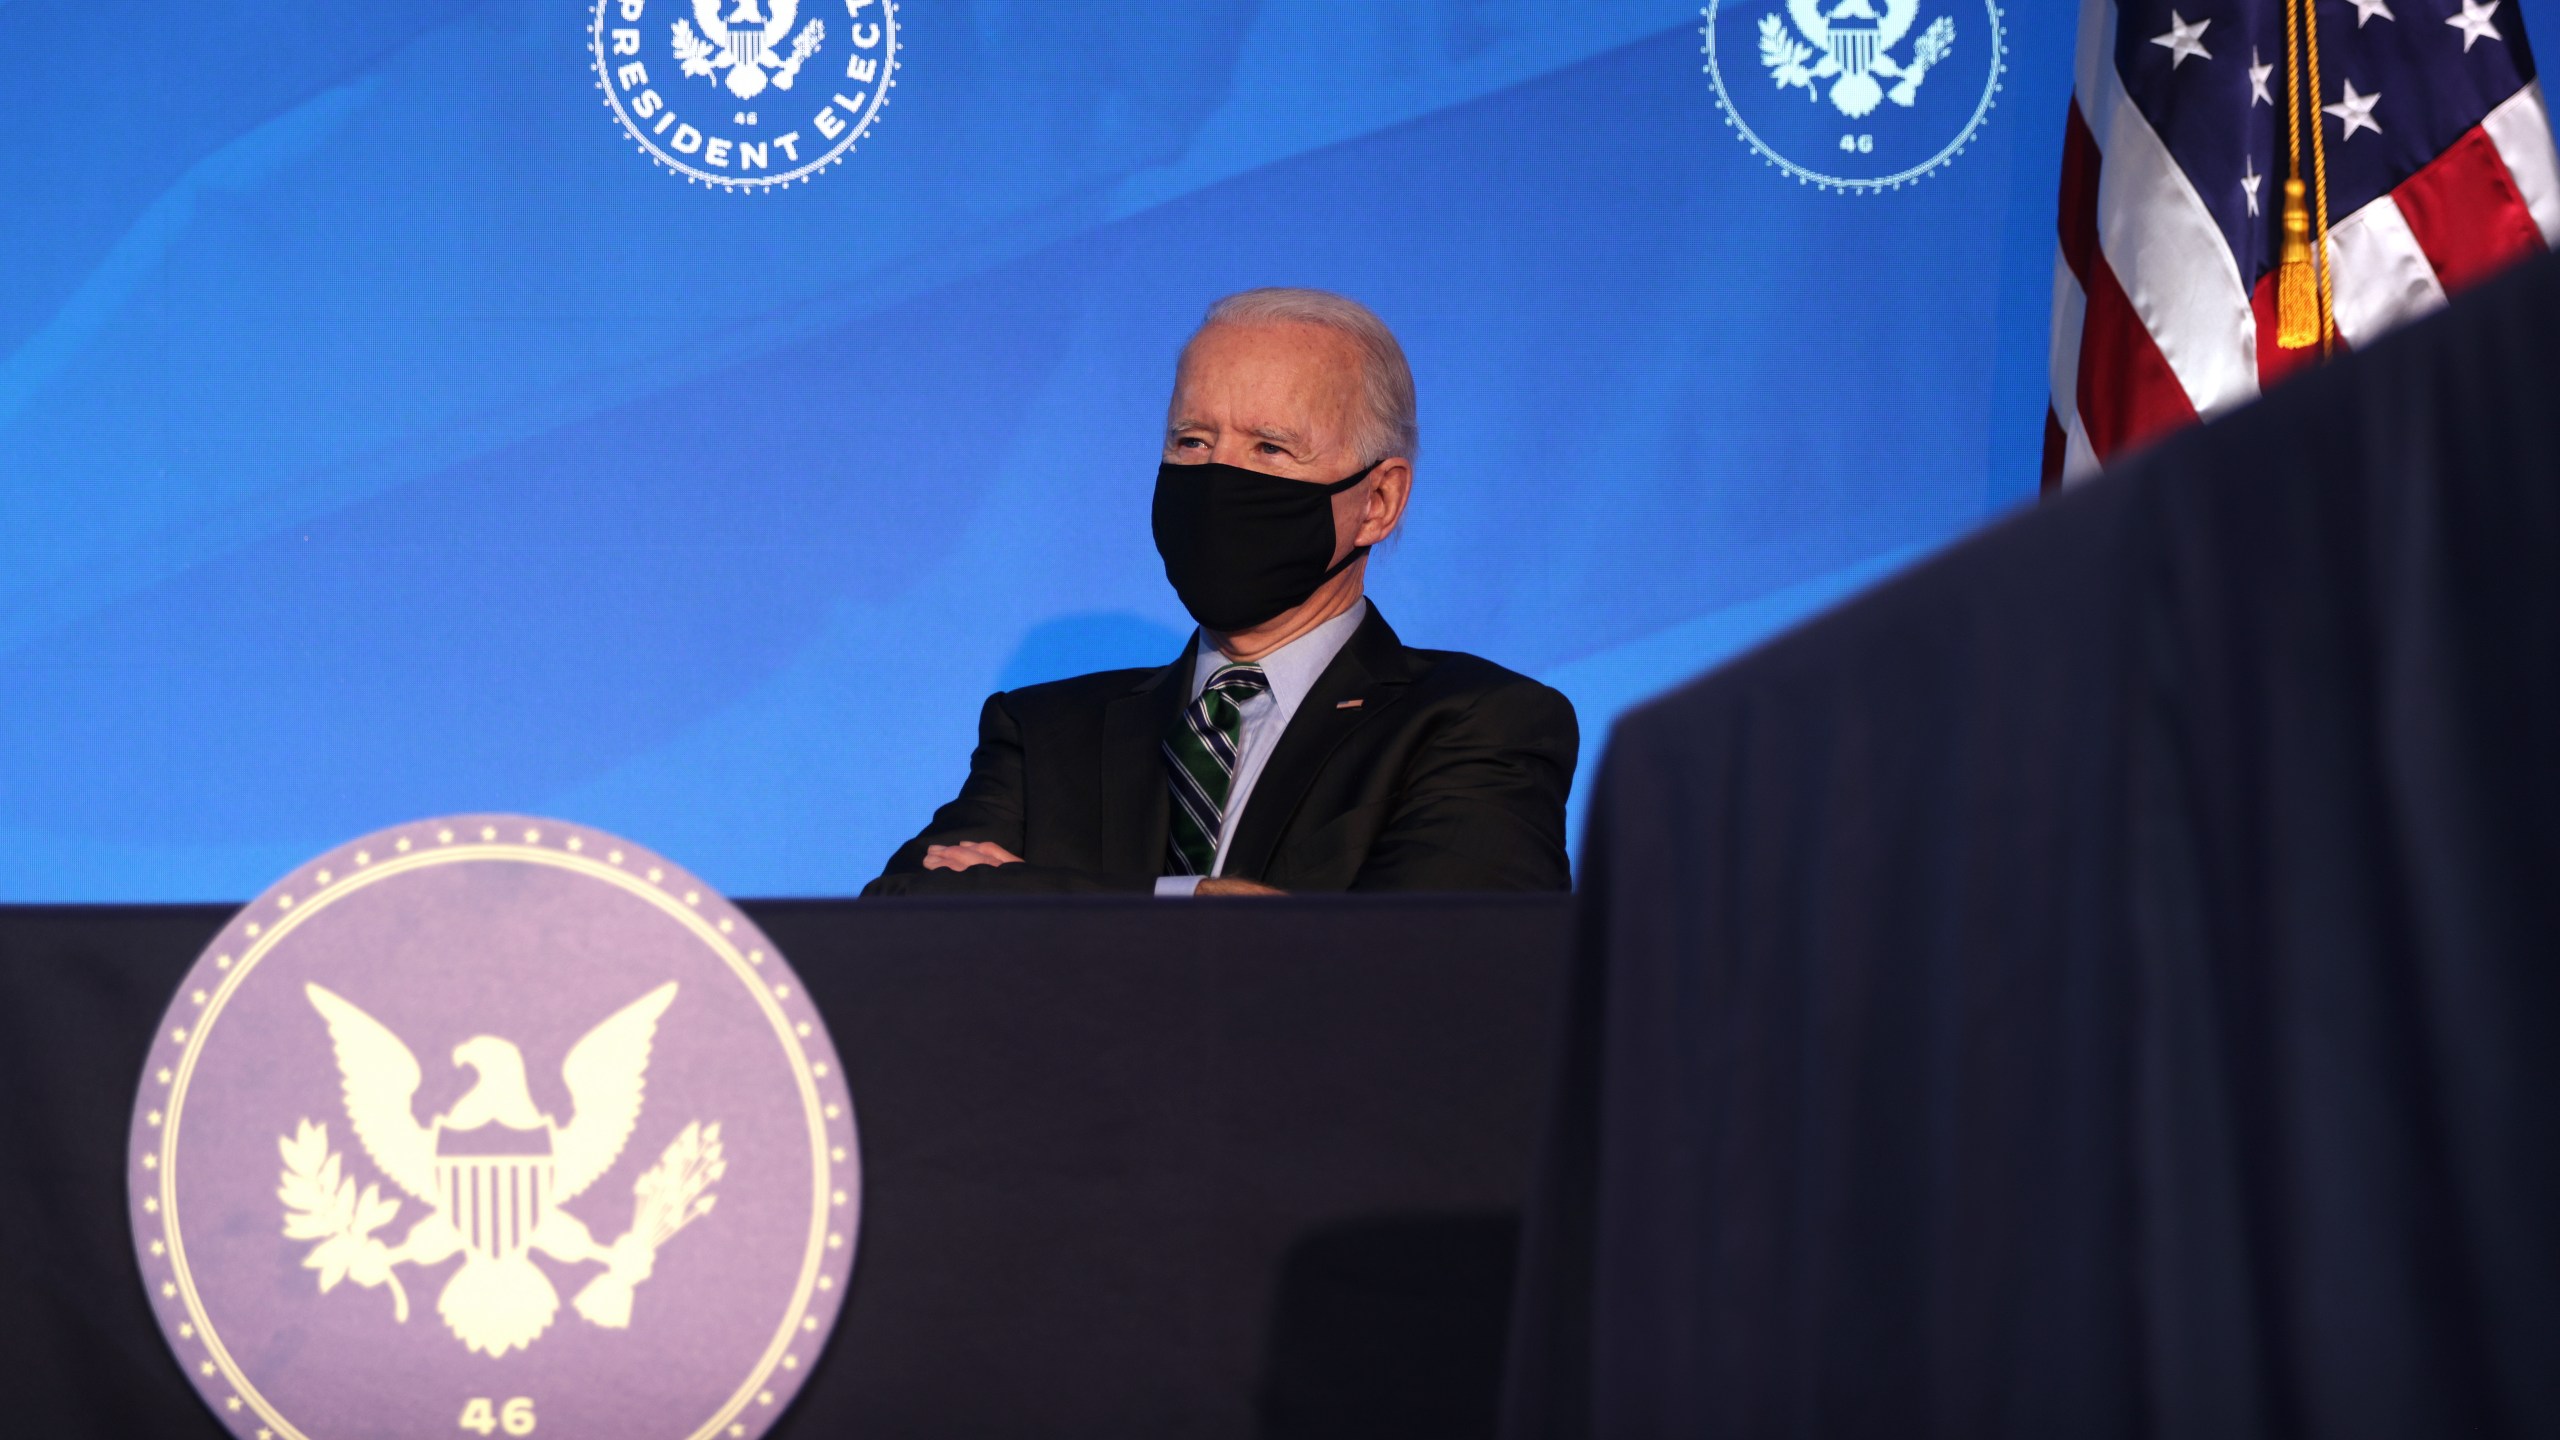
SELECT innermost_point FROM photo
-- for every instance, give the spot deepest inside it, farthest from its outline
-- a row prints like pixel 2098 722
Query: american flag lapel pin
pixel 1348 704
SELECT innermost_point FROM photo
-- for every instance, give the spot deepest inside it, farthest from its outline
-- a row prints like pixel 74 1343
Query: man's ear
pixel 1389 488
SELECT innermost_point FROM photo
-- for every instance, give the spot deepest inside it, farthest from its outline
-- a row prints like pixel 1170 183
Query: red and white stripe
pixel 2153 327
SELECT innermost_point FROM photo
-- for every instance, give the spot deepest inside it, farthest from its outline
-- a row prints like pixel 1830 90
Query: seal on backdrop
pixel 1848 97
pixel 746 95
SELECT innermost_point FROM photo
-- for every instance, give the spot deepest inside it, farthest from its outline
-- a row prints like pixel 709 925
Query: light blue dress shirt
pixel 1293 670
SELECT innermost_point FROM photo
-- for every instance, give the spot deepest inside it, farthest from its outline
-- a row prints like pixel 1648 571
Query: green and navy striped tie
pixel 1200 761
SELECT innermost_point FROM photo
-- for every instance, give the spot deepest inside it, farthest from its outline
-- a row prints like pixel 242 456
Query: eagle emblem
pixel 1855 46
pixel 492 1173
pixel 746 44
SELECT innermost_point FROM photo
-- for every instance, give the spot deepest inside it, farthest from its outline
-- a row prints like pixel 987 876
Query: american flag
pixel 2439 170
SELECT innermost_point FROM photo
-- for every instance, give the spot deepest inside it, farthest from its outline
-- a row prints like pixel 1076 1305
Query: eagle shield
pixel 494 1172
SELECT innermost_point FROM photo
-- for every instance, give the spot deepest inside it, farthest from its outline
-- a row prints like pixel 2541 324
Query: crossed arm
pixel 973 844
pixel 959 849
pixel 970 854
pixel 1481 806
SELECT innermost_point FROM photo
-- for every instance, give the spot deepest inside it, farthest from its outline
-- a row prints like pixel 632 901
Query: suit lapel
pixel 1134 815
pixel 1370 669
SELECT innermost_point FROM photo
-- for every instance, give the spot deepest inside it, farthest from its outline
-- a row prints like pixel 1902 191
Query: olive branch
pixel 1785 55
pixel 692 51
pixel 322 1204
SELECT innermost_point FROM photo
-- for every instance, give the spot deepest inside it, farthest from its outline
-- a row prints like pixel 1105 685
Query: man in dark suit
pixel 1296 744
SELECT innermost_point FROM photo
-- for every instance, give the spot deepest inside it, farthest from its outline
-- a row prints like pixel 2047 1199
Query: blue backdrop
pixel 383 432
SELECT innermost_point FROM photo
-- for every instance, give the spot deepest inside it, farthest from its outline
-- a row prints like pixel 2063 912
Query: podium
pixel 1132 1167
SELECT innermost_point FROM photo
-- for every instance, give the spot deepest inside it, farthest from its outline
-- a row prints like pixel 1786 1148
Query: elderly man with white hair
pixel 1296 744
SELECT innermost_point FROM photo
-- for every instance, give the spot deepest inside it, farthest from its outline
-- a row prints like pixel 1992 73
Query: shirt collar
pixel 1294 668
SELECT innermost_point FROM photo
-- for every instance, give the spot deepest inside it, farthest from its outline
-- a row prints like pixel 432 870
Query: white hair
pixel 1386 382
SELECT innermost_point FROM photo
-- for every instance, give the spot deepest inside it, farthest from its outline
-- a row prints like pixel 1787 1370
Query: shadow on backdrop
pixel 1081 644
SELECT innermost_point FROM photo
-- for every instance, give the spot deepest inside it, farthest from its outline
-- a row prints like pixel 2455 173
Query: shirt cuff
pixel 1182 885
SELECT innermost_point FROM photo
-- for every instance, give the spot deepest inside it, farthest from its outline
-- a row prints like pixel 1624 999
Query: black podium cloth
pixel 2104 982
pixel 1131 1167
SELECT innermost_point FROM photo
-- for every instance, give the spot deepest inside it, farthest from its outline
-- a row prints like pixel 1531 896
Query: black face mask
pixel 1240 546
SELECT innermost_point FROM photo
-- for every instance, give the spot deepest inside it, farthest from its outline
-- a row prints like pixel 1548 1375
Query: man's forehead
pixel 1294 365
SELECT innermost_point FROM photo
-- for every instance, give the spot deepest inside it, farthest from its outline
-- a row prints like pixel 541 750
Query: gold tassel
pixel 2297 290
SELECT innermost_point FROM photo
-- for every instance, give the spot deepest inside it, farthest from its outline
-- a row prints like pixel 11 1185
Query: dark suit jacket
pixel 1450 774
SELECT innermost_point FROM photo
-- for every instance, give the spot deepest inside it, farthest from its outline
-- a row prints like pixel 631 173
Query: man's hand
pixel 1232 885
pixel 966 854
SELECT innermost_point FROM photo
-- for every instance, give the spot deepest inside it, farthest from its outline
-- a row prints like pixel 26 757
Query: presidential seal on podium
pixel 494 1125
